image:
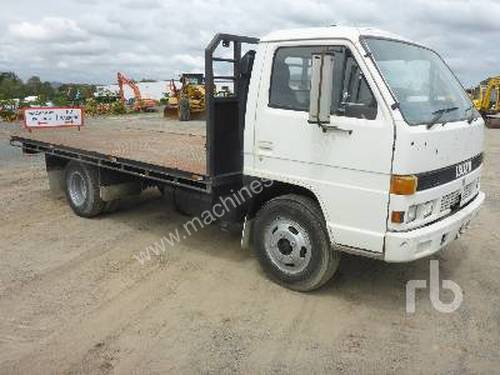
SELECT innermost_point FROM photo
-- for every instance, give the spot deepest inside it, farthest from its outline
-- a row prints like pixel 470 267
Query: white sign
pixel 53 117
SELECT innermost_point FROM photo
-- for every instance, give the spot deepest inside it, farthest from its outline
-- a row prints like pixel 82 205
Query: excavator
pixel 140 104
pixel 486 99
pixel 188 102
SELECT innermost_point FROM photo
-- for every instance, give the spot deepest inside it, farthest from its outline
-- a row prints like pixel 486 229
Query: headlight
pixel 412 214
pixel 427 208
pixel 422 210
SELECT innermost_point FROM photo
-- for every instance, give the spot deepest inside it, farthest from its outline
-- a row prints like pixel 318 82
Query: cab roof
pixel 332 32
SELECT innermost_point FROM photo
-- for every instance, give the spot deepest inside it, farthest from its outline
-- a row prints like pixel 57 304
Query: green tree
pixel 44 90
pixel 11 86
pixel 73 94
pixel 47 92
pixel 33 86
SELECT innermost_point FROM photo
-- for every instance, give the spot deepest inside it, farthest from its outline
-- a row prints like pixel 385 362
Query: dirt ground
pixel 73 299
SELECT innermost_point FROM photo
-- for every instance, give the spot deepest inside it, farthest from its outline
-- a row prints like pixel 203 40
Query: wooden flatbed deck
pixel 164 147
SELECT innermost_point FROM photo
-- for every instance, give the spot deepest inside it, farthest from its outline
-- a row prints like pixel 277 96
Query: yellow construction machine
pixel 486 99
pixel 188 102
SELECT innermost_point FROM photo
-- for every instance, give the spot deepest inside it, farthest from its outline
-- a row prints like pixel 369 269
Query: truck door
pixel 347 168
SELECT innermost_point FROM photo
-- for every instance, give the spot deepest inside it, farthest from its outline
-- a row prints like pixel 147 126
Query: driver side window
pixel 291 82
pixel 352 96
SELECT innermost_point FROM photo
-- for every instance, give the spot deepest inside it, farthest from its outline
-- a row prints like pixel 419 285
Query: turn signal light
pixel 398 217
pixel 404 185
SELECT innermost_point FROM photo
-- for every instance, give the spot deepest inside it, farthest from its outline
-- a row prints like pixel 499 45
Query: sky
pixel 90 40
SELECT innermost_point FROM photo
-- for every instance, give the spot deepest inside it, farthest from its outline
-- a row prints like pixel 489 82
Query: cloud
pixel 80 48
pixel 143 5
pixel 62 65
pixel 188 60
pixel 50 29
pixel 466 16
pixel 100 25
pixel 89 40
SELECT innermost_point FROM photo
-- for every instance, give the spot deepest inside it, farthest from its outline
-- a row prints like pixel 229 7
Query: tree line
pixel 13 87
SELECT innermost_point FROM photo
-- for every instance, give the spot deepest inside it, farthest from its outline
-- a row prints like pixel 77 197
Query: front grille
pixel 444 175
pixel 450 200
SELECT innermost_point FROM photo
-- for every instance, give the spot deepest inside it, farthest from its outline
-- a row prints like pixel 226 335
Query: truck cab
pixel 379 132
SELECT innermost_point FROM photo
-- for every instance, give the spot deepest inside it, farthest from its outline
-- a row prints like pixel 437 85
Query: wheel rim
pixel 288 245
pixel 77 188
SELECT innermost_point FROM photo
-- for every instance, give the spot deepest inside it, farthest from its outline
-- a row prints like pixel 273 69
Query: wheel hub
pixel 77 188
pixel 288 245
pixel 284 246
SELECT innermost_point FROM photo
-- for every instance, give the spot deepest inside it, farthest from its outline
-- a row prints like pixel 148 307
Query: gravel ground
pixel 73 299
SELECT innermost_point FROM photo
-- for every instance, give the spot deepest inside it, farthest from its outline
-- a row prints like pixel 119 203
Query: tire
pixel 292 244
pixel 181 210
pixel 82 189
pixel 111 206
pixel 171 196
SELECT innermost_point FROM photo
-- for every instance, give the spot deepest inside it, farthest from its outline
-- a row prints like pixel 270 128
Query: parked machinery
pixel 140 104
pixel 12 110
pixel 188 102
pixel 486 99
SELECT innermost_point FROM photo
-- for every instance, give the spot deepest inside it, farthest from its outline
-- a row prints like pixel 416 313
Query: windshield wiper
pixel 439 114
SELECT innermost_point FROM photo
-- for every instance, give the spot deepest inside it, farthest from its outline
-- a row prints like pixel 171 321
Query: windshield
pixel 424 86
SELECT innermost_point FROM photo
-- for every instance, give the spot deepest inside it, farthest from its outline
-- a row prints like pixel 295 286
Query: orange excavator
pixel 140 104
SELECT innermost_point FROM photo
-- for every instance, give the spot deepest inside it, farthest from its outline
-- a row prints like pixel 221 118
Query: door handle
pixel 336 128
pixel 264 148
pixel 265 145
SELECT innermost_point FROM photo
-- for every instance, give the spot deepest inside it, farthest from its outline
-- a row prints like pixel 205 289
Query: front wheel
pixel 292 244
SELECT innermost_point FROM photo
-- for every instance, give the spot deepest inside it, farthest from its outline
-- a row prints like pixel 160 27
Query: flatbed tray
pixel 160 145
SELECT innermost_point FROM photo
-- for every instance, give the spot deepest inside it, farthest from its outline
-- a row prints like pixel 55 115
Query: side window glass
pixel 291 78
pixel 291 82
pixel 353 97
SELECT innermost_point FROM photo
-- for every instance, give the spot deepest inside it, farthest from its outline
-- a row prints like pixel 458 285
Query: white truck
pixel 336 140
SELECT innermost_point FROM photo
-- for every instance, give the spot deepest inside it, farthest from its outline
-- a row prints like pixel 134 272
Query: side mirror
pixel 320 100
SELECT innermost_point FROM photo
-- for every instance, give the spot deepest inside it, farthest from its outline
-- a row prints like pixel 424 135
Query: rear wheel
pixel 82 189
pixel 292 244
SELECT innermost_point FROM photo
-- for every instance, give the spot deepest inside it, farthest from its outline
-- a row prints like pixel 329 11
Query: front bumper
pixel 419 243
